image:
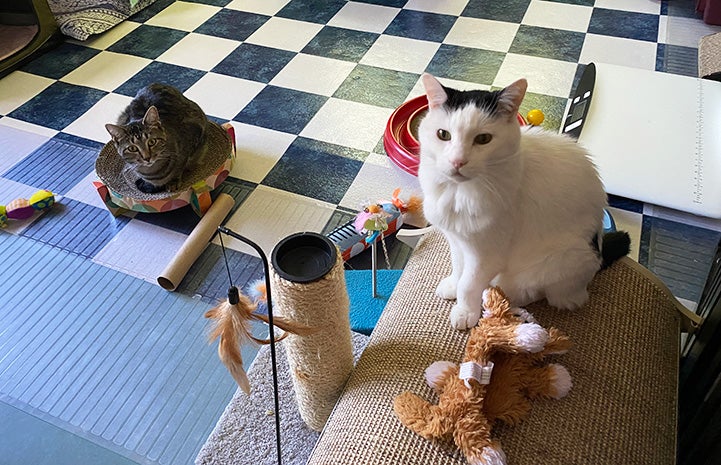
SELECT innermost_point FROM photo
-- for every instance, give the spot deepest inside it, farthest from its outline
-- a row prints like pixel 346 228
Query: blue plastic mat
pixel 364 308
pixel 108 357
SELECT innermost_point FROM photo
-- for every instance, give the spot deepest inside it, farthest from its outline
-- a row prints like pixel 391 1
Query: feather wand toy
pixel 232 327
pixel 232 320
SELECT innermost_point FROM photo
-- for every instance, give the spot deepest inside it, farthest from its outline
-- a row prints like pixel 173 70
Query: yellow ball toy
pixel 535 117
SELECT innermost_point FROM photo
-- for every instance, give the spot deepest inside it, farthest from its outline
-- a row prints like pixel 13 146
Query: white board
pixel 656 137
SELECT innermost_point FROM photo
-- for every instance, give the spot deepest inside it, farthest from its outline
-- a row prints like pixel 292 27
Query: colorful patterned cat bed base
pixel 117 185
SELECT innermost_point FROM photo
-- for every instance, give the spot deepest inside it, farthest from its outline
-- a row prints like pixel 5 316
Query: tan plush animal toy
pixel 502 371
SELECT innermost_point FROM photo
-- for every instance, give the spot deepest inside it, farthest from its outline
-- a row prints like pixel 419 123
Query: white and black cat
pixel 161 137
pixel 521 208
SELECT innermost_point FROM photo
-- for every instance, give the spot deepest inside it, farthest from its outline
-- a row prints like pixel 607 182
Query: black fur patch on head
pixel 483 99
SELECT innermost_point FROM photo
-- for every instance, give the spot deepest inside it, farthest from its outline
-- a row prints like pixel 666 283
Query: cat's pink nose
pixel 458 164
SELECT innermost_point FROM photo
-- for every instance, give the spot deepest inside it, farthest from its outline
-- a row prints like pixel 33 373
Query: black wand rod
pixel 271 330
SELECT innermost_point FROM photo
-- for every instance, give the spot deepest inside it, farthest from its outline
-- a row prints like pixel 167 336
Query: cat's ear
pixel 511 97
pixel 115 131
pixel 434 91
pixel 151 116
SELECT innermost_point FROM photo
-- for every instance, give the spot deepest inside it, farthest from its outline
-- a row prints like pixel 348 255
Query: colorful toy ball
pixel 21 209
pixel 535 117
pixel 42 199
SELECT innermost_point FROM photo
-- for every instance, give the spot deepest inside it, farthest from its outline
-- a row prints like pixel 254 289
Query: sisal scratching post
pixel 309 288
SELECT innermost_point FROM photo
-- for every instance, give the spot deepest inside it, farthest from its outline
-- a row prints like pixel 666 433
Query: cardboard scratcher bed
pixel 119 193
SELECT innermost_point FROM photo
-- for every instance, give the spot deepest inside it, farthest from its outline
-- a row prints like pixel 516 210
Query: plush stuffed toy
pixel 21 209
pixel 502 371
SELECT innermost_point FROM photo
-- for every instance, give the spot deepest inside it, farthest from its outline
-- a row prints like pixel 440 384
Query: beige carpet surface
pixel 624 366
pixel 245 433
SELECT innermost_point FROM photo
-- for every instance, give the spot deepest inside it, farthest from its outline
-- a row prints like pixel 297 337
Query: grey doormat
pixel 245 433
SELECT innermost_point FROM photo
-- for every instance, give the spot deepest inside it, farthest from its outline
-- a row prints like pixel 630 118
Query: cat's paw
pixel 146 187
pixel 464 317
pixel 447 288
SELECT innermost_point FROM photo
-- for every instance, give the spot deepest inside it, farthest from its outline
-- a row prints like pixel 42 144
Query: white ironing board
pixel 656 137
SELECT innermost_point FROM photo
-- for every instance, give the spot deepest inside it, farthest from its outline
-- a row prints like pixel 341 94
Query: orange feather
pixel 231 324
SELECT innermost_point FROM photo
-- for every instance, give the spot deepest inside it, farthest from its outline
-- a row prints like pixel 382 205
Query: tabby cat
pixel 161 137
pixel 521 208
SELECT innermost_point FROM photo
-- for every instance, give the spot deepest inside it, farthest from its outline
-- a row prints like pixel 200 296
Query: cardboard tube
pixel 194 245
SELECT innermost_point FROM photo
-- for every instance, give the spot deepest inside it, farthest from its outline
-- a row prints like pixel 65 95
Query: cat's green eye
pixel 131 148
pixel 443 134
pixel 482 139
pixel 152 142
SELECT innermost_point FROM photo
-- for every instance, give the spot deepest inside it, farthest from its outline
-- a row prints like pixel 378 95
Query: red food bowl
pixel 400 138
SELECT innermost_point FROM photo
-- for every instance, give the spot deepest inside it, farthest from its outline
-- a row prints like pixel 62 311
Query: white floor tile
pixel 419 90
pixel 106 71
pixel 687 31
pixel 141 249
pixel 662 29
pixel 377 180
pixel 347 123
pixel 447 7
pixel 223 96
pixel 263 7
pixel 15 145
pixel 18 87
pixel 28 127
pixel 464 85
pixel 314 74
pixel 85 192
pixel 109 37
pixel 618 51
pixel 183 16
pixel 482 33
pixel 545 76
pixel 639 6
pixel 91 125
pixel 285 34
pixel 364 17
pixel 199 51
pixel 558 16
pixel 269 215
pixel 681 217
pixel 258 150
pixel 452 83
pixel 400 54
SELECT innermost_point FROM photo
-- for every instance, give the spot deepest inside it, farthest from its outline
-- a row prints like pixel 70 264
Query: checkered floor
pixel 309 86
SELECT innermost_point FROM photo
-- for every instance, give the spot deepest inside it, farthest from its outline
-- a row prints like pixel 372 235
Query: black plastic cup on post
pixel 304 257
